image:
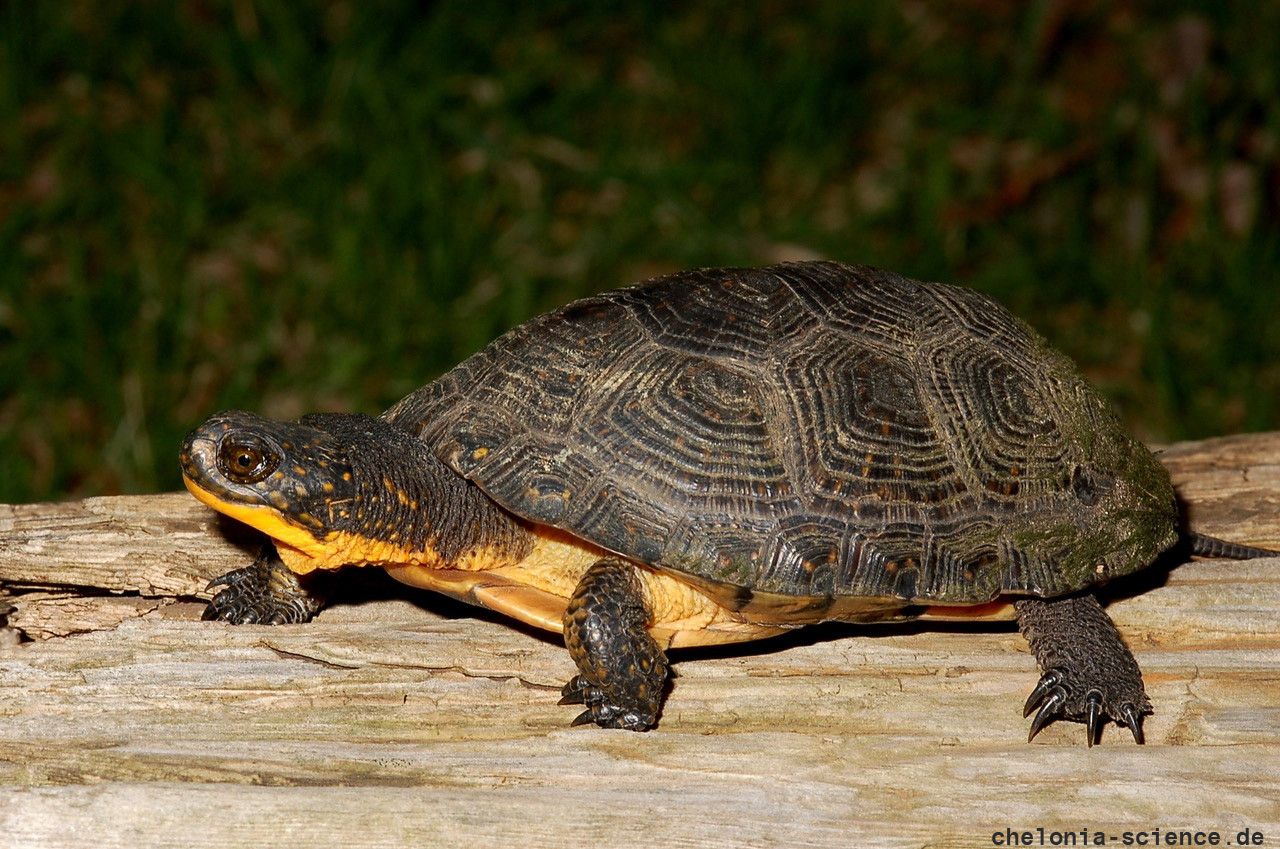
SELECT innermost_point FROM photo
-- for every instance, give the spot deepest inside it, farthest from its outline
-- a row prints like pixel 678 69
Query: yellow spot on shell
pixel 299 470
pixel 327 487
pixel 480 453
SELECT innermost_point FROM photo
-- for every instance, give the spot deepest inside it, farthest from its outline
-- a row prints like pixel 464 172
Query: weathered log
pixel 405 719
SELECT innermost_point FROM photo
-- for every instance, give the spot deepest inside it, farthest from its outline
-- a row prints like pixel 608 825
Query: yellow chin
pixel 301 550
pixel 339 548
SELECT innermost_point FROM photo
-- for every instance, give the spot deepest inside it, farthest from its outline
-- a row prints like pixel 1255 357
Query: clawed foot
pixel 264 592
pixel 1089 674
pixel 623 671
pixel 599 710
pixel 1058 696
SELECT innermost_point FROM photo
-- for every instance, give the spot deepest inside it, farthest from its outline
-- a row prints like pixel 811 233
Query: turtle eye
pixel 246 459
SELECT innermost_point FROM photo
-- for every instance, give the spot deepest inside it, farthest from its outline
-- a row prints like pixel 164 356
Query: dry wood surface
pixel 403 719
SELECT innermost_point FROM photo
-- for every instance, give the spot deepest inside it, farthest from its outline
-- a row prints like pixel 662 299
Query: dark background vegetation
pixel 291 206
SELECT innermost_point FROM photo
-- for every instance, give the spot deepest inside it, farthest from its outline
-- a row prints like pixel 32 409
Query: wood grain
pixel 407 720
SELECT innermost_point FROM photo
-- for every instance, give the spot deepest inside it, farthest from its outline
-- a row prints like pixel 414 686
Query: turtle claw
pixel 1048 681
pixel 1133 718
pixel 579 691
pixel 1053 696
pixel 1093 718
pixel 264 592
pixel 1050 710
pixel 232 578
pixel 574 692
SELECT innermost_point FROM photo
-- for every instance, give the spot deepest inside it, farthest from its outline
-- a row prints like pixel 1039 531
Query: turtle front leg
pixel 1089 674
pixel 264 592
pixel 622 672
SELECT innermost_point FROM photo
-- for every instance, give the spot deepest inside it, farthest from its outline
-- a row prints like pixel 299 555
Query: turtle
pixel 722 455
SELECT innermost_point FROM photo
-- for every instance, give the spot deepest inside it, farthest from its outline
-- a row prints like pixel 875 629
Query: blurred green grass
pixel 288 207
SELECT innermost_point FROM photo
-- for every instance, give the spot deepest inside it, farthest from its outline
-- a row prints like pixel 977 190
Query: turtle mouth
pixel 198 459
pixel 203 478
pixel 302 549
pixel 201 475
pixel 197 454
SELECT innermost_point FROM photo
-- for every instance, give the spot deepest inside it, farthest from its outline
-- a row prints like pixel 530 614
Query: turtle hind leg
pixel 1089 674
pixel 264 592
pixel 622 672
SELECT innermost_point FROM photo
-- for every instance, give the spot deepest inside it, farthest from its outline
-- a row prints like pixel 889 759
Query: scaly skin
pixel 622 670
pixel 1089 674
pixel 265 592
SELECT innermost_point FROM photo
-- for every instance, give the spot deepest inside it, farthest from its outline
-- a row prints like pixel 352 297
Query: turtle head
pixel 329 489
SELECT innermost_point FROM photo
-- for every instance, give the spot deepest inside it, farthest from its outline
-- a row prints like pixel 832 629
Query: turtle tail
pixel 1207 546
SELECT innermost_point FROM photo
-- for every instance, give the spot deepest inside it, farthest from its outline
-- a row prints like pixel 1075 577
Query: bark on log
pixel 407 720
